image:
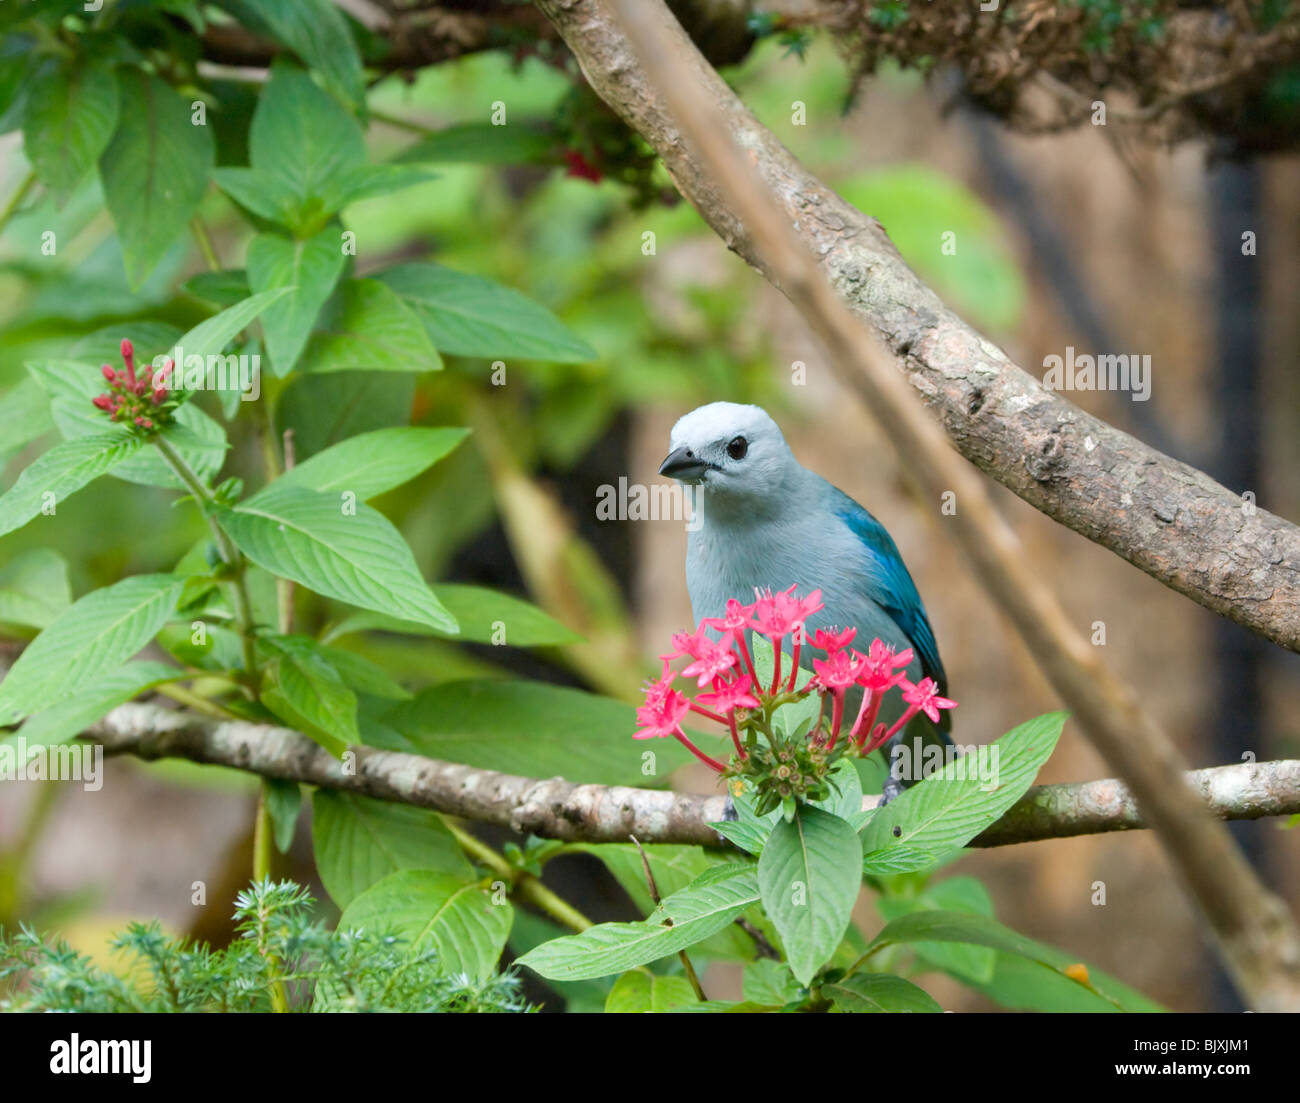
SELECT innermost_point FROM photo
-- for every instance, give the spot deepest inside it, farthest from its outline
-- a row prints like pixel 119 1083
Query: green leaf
pixel 154 171
pixel 25 411
pixel 532 729
pixel 484 144
pixel 283 803
pixel 311 268
pixel 213 334
pixel 303 141
pixel 357 557
pixel 708 904
pixel 60 473
pixel 372 463
pixel 877 992
pixel 225 288
pixel 978 930
pixel 363 675
pixel 484 616
pixel 809 873
pixel 70 115
pixel 673 868
pixel 306 692
pixel 972 964
pixel 93 635
pixel 951 807
pixel 366 326
pixel 325 409
pixel 316 31
pixel 437 911
pixel 73 715
pixel 648 993
pixel 371 181
pixel 470 316
pixel 34 588
pixel 359 841
pixel 769 982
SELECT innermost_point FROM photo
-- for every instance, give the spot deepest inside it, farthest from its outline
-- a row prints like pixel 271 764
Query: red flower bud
pixel 160 396
pixel 109 374
pixel 103 401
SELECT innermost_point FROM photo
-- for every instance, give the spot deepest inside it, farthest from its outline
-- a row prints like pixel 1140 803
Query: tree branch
pixel 1170 520
pixel 1256 934
pixel 559 809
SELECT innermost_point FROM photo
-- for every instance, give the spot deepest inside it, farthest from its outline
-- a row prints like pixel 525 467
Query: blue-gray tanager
pixel 764 521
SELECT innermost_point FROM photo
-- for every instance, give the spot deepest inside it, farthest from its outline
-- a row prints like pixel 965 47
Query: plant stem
pixel 400 123
pixel 16 200
pixel 205 244
pixel 243 607
pixel 195 702
pixel 522 884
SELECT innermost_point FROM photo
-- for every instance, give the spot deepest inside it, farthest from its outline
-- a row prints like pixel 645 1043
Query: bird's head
pixel 731 450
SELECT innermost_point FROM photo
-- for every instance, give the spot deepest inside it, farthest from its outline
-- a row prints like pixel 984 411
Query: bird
pixel 763 521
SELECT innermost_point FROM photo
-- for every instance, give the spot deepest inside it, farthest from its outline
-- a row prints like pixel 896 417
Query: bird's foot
pixel 892 788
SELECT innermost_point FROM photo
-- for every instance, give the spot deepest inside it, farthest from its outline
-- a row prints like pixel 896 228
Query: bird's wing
pixel 890 586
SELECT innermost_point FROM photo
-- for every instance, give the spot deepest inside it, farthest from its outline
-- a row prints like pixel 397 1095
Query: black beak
pixel 681 463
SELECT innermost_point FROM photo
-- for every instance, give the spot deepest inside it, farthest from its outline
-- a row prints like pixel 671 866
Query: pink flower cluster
pixel 737 700
pixel 137 399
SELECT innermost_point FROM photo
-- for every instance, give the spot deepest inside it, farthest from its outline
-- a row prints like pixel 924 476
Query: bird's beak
pixel 682 464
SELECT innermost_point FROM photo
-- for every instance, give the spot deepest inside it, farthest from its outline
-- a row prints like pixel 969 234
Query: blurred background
pixel 1076 239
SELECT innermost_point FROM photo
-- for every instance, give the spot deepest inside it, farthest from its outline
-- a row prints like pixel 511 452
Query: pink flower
pixel 777 615
pixel 924 697
pixel 711 661
pixel 880 671
pixel 737 619
pixel 663 711
pixel 839 670
pixel 831 640
pixel 727 696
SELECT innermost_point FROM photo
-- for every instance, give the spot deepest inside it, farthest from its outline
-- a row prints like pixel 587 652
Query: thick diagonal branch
pixel 559 809
pixel 1172 521
pixel 1256 935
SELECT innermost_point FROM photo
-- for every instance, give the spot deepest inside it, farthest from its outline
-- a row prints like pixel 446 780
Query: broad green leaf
pixel 438 911
pixel 531 729
pixel 953 805
pixel 972 964
pixel 283 803
pixel 1024 985
pixel 60 473
pixel 366 326
pixel 306 692
pixel 70 115
pixel 357 556
pixel 91 636
pixel 311 268
pixel 371 181
pixel 266 195
pixel 673 868
pixel 372 463
pixel 325 409
pixel 877 992
pixel 809 874
pixel 34 588
pixel 154 171
pixel 73 715
pixel 358 842
pixel 525 143
pixel 316 31
pixel 583 997
pixel 470 316
pixel 213 334
pixel 978 930
pixel 225 288
pixel 483 615
pixel 363 675
pixel 769 982
pixel 708 904
pixel 644 993
pixel 25 413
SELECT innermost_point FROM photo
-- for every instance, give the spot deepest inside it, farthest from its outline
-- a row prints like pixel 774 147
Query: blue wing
pixel 891 587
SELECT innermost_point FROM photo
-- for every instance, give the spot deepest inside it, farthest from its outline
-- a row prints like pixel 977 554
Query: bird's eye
pixel 737 448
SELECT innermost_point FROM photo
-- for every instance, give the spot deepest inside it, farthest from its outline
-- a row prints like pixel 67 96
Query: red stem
pixel 717 716
pixel 866 716
pixel 794 662
pixel 776 664
pixel 837 717
pixel 711 763
pixel 735 736
pixel 749 664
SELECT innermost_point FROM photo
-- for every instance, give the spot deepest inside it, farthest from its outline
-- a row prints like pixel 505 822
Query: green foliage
pixel 278 944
